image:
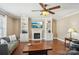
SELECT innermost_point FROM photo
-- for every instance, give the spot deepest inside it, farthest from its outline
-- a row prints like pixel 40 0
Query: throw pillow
pixel 12 38
pixel 2 41
pixel 7 39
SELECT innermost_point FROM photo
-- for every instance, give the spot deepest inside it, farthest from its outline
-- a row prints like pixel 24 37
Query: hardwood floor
pixel 57 46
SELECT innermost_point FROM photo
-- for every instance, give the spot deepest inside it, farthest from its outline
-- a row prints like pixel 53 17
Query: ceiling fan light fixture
pixel 45 13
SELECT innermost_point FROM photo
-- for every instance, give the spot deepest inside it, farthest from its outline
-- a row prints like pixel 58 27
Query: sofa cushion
pixel 12 46
pixel 7 39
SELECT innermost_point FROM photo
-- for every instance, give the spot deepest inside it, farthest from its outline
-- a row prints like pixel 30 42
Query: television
pixel 37 25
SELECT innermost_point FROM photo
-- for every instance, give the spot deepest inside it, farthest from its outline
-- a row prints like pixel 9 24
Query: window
pixel 2 26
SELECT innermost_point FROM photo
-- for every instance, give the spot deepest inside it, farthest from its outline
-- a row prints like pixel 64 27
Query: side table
pixel 68 39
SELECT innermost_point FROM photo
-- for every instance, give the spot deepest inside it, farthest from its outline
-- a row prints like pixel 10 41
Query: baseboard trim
pixel 61 39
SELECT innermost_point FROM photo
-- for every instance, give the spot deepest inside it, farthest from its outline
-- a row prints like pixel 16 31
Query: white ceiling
pixel 20 9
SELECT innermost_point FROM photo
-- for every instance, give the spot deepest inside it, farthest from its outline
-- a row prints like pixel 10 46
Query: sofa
pixel 9 47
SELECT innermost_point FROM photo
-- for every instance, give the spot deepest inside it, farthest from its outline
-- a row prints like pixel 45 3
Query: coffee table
pixel 37 49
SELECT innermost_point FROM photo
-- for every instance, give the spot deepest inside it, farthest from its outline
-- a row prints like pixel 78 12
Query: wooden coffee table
pixel 37 49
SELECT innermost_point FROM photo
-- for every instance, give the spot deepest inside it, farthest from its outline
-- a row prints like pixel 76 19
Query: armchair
pixel 74 48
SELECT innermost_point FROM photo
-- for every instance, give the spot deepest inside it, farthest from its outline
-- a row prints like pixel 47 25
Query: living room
pixel 38 28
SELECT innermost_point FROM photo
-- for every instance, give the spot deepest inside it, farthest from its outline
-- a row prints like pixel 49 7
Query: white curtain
pixel 2 26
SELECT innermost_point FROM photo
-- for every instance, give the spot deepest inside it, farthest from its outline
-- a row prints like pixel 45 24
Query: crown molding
pixel 3 12
pixel 73 13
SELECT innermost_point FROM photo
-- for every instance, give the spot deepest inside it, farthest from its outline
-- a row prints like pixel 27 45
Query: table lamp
pixel 71 30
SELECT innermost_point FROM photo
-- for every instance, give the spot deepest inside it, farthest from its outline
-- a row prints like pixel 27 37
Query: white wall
pixel 64 24
pixel 13 26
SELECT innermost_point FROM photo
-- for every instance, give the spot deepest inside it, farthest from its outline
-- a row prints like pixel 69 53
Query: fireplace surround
pixel 36 34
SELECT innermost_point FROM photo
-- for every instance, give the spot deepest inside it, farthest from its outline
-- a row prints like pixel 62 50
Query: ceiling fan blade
pixel 36 10
pixel 43 6
pixel 56 7
pixel 51 12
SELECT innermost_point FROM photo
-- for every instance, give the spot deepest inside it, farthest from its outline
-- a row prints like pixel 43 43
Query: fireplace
pixel 36 35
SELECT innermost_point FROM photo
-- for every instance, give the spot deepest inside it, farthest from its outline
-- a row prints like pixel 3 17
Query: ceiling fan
pixel 47 10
